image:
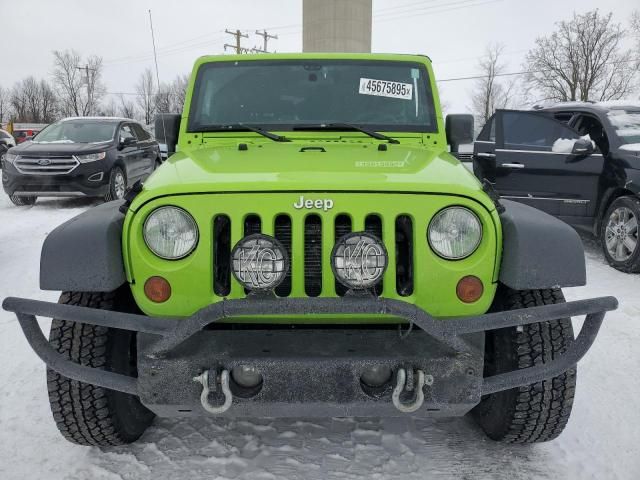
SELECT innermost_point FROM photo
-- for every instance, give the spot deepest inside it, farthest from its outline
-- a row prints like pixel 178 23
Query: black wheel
pixel 157 164
pixel 22 201
pixel 533 413
pixel 619 234
pixel 117 185
pixel 3 152
pixel 86 414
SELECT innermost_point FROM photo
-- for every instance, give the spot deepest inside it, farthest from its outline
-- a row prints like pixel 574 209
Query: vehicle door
pixel 147 149
pixel 129 152
pixel 533 161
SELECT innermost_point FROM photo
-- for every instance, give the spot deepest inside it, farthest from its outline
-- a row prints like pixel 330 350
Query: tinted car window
pixel 488 132
pixel 528 131
pixel 4 134
pixel 141 133
pixel 126 132
pixel 77 131
pixel 283 94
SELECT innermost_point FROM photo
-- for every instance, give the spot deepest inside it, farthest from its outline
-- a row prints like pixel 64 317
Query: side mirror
pixel 127 142
pixel 459 129
pixel 582 146
pixel 167 129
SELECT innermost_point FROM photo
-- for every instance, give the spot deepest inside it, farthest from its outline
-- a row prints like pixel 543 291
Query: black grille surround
pixel 314 265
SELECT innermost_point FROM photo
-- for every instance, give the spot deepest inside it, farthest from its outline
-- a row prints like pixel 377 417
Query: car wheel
pixel 117 185
pixel 22 201
pixel 532 413
pixel 619 234
pixel 157 164
pixel 86 414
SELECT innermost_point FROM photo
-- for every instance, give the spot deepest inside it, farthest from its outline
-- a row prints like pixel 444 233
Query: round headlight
pixel 170 233
pixel 259 262
pixel 359 260
pixel 455 233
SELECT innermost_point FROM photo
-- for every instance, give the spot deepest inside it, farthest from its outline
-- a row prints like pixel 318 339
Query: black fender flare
pixel 538 250
pixel 85 253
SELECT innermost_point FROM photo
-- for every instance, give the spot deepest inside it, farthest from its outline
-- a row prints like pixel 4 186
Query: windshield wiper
pixel 346 126
pixel 241 127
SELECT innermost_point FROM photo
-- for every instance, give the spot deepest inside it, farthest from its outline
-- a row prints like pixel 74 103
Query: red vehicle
pixel 22 135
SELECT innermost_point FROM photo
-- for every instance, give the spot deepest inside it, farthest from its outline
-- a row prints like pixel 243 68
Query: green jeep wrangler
pixel 311 249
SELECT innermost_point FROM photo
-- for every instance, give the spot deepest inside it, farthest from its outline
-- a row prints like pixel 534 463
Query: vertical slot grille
pixel 252 224
pixel 404 256
pixel 313 255
pixel 342 227
pixel 373 225
pixel 282 232
pixel 222 255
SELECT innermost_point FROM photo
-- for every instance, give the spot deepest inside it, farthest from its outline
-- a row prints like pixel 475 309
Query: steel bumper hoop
pixel 172 332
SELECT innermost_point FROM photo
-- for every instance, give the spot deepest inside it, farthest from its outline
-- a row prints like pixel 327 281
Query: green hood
pixel 313 166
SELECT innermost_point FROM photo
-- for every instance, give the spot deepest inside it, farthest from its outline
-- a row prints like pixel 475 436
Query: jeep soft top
pixel 311 249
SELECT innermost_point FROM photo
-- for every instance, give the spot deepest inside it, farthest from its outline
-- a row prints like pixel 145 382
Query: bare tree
pixel 109 109
pixel 4 104
pixel 146 91
pixel 179 90
pixel 489 93
pixel 127 108
pixel 582 60
pixel 79 82
pixel 49 102
pixel 33 101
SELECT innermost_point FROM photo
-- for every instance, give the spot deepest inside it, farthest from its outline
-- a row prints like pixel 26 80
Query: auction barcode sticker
pixel 384 88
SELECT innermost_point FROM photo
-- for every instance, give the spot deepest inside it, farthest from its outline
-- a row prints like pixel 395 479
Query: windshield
pixel 280 95
pixel 77 131
pixel 626 124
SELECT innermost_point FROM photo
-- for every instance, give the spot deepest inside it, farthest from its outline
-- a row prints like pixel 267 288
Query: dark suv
pixel 87 156
pixel 577 161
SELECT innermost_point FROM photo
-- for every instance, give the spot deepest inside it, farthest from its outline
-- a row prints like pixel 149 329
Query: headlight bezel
pixel 91 157
pixel 190 219
pixel 10 158
pixel 477 244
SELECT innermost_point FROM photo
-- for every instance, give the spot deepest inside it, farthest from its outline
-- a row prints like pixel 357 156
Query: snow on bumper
pixel 310 372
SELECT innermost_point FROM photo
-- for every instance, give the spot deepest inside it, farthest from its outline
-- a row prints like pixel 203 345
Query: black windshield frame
pixel 423 84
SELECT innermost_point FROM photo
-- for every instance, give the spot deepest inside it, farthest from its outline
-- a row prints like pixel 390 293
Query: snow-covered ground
pixel 601 442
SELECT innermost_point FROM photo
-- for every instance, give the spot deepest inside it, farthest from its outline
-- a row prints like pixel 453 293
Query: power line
pixel 524 72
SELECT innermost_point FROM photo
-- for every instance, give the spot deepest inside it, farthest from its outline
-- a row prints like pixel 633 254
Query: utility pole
pixel 239 35
pixel 265 38
pixel 86 70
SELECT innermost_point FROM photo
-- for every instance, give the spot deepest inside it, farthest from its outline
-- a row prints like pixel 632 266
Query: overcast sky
pixel 454 33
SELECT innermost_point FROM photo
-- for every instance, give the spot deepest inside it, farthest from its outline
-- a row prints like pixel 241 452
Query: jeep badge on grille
pixel 319 204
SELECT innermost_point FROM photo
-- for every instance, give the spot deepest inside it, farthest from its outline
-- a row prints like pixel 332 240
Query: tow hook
pixel 209 383
pixel 402 385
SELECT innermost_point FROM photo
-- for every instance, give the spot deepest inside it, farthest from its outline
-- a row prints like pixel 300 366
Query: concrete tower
pixel 336 25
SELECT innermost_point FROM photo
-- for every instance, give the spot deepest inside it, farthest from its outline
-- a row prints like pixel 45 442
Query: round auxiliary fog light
pixel 259 262
pixel 359 260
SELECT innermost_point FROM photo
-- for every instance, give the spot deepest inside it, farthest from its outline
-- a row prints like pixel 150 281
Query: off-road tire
pixel 22 201
pixel 86 414
pixel 533 413
pixel 632 264
pixel 111 189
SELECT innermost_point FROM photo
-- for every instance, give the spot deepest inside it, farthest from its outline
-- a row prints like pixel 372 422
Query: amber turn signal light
pixel 157 289
pixel 469 289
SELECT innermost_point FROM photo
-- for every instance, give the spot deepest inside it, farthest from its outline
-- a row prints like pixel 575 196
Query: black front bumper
pixel 91 180
pixel 310 372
